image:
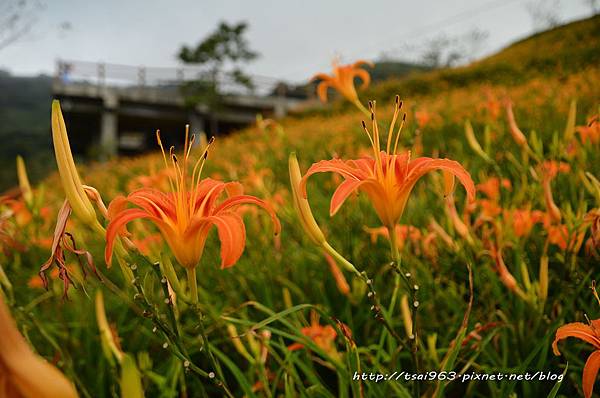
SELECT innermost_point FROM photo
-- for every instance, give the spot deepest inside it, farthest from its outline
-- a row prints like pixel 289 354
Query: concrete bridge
pixel 115 109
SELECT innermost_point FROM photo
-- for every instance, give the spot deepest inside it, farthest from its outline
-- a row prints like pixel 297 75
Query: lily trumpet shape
pixel 388 177
pixel 185 215
pixel 24 374
pixel 589 333
pixel 342 79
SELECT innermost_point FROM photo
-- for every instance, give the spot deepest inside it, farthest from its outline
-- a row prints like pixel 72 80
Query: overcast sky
pixel 294 38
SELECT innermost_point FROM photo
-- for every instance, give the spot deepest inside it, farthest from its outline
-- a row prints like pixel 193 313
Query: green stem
pixel 206 345
pixel 361 107
pixel 172 337
pixel 411 287
pixel 380 314
pixel 193 284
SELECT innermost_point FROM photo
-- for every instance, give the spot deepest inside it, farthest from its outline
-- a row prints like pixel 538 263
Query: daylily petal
pixel 362 62
pixel 590 371
pixel 345 169
pixel 320 76
pixel 578 330
pixel 322 90
pixel 341 193
pixel 234 188
pixel 232 235
pixel 116 224
pixel 419 167
pixel 154 202
pixel 364 76
pixel 249 199
pixel 117 205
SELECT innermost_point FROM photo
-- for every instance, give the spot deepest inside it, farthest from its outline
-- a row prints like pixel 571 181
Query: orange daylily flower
pixel 9 226
pixel 491 187
pixel 342 80
pixel 23 374
pixel 591 131
pixel 523 220
pixel 489 208
pixel 492 105
pixel 323 336
pixel 590 334
pixel 185 215
pixel 593 243
pixel 388 177
pixel 423 118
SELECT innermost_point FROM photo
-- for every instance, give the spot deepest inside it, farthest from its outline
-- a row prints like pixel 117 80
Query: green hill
pixel 559 52
pixel 25 115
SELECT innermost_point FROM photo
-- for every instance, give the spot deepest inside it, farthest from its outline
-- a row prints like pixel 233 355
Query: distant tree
pixel 544 13
pixel 225 47
pixel 474 42
pixel 593 4
pixel 434 55
pixel 17 17
pixel 445 51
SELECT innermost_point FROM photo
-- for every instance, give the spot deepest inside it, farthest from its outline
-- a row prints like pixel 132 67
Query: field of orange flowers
pixel 393 247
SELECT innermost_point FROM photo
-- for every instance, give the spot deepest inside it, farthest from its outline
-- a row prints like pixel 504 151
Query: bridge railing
pixel 127 76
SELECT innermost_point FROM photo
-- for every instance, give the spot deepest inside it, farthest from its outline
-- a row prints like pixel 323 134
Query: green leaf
pixel 237 373
pixel 556 387
pixel 131 382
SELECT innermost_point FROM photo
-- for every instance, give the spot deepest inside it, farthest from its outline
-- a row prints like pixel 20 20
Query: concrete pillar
pixel 109 126
pixel 197 126
pixel 280 109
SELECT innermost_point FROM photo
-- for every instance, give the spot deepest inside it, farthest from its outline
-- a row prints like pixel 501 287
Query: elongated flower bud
pixel 307 220
pixel 431 347
pixel 106 336
pixel 551 206
pixel 505 276
pixel 461 228
pixel 571 120
pixel 81 205
pixel 525 276
pixel 237 343
pixel 131 381
pixel 301 204
pixel 4 281
pixel 406 316
pixel 515 131
pixel 543 294
pixel 24 181
pixel 473 143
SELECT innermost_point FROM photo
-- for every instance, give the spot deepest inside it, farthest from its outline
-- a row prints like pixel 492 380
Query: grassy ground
pixel 256 310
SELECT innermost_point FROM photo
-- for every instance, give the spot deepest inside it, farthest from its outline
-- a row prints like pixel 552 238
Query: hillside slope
pixel 558 52
pixel 24 112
